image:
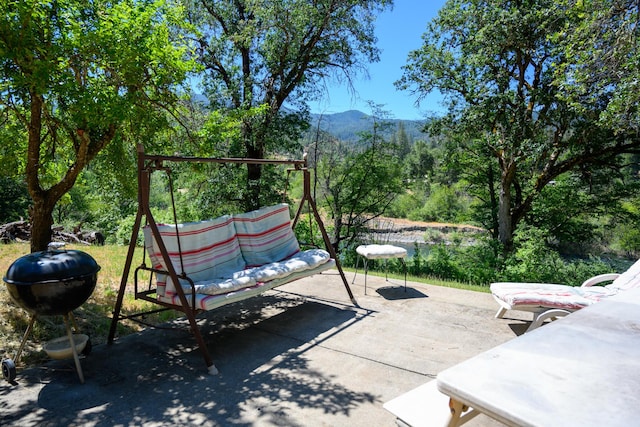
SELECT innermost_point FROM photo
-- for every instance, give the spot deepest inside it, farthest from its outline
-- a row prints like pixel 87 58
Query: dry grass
pixel 93 317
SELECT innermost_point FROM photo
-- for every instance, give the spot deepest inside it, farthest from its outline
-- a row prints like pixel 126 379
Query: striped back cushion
pixel 265 235
pixel 209 248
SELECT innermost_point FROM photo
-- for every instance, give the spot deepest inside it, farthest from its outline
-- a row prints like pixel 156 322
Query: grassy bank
pixel 94 316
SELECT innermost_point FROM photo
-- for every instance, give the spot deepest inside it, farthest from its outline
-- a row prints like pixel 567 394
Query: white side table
pixel 386 252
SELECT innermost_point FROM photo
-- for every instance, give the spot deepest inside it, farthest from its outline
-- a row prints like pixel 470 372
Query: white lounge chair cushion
pixel 629 279
pixel 300 262
pixel 265 235
pixel 381 251
pixel 549 295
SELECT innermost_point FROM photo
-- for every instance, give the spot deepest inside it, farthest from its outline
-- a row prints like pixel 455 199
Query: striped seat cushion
pixel 209 248
pixel 265 235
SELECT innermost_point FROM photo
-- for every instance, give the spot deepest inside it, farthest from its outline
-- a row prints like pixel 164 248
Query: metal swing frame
pixel 147 164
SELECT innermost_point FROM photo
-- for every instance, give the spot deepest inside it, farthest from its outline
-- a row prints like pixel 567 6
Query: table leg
pixel 460 413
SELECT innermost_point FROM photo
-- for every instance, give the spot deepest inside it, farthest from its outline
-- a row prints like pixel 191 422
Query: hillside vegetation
pixel 349 125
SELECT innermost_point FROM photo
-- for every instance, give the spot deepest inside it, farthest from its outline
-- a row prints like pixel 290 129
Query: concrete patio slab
pixel 300 355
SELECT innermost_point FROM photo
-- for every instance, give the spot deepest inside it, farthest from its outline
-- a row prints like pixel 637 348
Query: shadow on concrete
pixel 159 375
pixel 399 292
pixel 519 328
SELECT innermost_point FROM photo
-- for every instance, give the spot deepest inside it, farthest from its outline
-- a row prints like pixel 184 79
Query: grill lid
pixel 50 266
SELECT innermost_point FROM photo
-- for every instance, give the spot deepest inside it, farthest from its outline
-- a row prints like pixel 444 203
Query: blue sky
pixel 399 31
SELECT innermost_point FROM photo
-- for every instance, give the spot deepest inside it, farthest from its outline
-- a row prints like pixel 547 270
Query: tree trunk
pixel 337 229
pixel 505 219
pixel 493 202
pixel 44 200
pixel 41 219
pixel 41 223
pixel 254 150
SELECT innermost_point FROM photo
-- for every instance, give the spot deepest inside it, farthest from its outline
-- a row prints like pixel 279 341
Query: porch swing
pixel 204 265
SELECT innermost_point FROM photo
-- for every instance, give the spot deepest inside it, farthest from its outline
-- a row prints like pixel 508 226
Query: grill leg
pixel 76 359
pixel 24 339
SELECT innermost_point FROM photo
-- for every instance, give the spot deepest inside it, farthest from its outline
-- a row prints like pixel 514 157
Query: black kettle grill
pixel 49 283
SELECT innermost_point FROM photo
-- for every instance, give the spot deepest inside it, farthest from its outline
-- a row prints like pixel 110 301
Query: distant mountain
pixel 347 125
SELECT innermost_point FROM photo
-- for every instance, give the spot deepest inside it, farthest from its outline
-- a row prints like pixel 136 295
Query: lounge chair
pixel 550 301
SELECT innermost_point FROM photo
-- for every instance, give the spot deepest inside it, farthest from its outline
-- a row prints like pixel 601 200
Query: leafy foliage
pixel 600 43
pixel 446 203
pixel 259 56
pixel 73 74
pixel 519 112
pixel 14 199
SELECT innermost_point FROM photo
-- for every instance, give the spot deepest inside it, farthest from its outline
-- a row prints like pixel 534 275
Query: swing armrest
pixel 307 244
pixel 166 273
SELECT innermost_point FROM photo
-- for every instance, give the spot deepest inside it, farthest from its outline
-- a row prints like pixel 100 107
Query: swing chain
pixel 167 170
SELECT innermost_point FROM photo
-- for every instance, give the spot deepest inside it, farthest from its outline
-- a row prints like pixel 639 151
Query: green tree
pixel 419 161
pixel 401 138
pixel 261 56
pixel 518 112
pixel 73 74
pixel 358 184
pixel 599 76
pixel 446 203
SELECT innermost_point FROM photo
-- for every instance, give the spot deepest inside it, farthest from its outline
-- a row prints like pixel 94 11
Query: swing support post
pixel 306 197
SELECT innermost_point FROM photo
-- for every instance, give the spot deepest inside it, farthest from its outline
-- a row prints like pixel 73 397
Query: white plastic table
pixel 583 370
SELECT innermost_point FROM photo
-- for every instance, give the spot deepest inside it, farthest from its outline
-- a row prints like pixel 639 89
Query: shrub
pixel 533 260
pixel 481 261
pixel 442 263
pixel 405 205
pixel 14 200
pixel 122 235
pixel 445 204
pixel 629 240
